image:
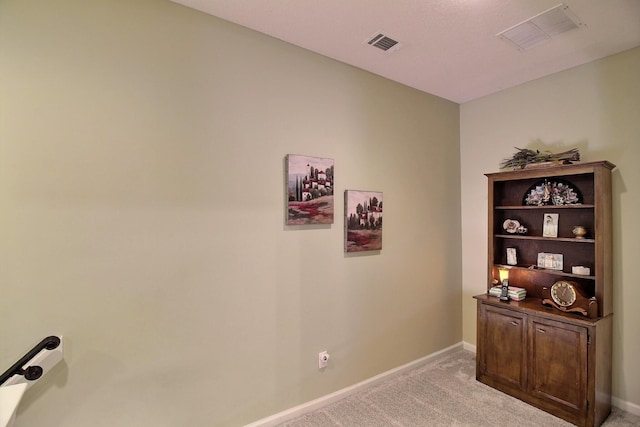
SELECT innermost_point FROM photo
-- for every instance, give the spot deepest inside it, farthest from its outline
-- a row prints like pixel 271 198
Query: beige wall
pixel 142 216
pixel 596 108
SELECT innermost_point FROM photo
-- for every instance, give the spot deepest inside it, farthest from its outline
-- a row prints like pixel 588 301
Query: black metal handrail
pixel 32 373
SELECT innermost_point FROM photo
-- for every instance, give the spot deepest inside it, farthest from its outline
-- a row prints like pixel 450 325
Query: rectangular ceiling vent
pixel 383 42
pixel 542 27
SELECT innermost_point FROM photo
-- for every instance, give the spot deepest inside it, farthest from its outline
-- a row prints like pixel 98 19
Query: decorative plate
pixel 556 192
pixel 511 225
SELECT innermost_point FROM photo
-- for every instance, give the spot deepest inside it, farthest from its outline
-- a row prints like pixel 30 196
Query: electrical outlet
pixel 323 359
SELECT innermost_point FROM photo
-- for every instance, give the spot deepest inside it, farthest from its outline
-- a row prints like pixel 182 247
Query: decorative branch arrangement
pixel 524 157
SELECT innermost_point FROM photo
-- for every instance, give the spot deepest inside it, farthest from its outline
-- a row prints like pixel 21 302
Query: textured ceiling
pixel 449 47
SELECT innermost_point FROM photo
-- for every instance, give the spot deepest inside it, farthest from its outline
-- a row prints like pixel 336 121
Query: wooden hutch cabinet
pixel 554 358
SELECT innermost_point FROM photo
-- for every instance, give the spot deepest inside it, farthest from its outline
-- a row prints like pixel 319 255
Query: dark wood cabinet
pixel 505 364
pixel 555 360
pixel 559 365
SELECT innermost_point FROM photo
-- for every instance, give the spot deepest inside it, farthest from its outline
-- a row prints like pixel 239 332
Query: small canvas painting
pixel 310 187
pixel 363 221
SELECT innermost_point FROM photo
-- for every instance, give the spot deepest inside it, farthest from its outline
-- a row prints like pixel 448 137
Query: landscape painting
pixel 363 220
pixel 310 185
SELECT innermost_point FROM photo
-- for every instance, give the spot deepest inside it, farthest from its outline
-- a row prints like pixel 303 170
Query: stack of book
pixel 515 293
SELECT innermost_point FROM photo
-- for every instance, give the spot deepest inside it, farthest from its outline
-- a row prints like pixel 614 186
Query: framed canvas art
pixel 310 185
pixel 363 221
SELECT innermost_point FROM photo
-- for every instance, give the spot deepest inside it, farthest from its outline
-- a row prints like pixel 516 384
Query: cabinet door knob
pixel 542 331
pixel 514 323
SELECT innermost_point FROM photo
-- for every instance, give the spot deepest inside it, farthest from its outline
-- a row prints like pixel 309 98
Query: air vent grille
pixel 542 27
pixel 383 42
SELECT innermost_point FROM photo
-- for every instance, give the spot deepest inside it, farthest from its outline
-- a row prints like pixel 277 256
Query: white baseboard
pixel 469 347
pixel 341 394
pixel 629 407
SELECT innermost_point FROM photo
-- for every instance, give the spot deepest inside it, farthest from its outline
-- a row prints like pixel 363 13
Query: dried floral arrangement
pixel 524 157
pixel 556 193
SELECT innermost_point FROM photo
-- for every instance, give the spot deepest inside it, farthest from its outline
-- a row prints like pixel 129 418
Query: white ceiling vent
pixel 383 42
pixel 542 27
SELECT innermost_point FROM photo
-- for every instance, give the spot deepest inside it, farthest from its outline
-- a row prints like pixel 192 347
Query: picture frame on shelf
pixel 512 257
pixel 550 261
pixel 550 225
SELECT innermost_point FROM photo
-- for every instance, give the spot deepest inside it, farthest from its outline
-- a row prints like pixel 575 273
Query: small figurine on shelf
pixel 512 226
pixel 579 231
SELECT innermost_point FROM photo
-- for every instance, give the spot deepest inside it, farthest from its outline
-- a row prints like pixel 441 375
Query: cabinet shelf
pixel 546 271
pixel 525 207
pixel 534 306
pixel 548 239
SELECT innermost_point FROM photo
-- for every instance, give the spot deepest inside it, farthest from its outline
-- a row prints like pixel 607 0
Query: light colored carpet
pixel 443 392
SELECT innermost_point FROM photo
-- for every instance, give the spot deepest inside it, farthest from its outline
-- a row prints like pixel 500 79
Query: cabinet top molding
pixel 541 170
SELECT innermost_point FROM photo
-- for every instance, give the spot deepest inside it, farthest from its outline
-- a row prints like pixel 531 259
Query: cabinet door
pixel 558 367
pixel 503 342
